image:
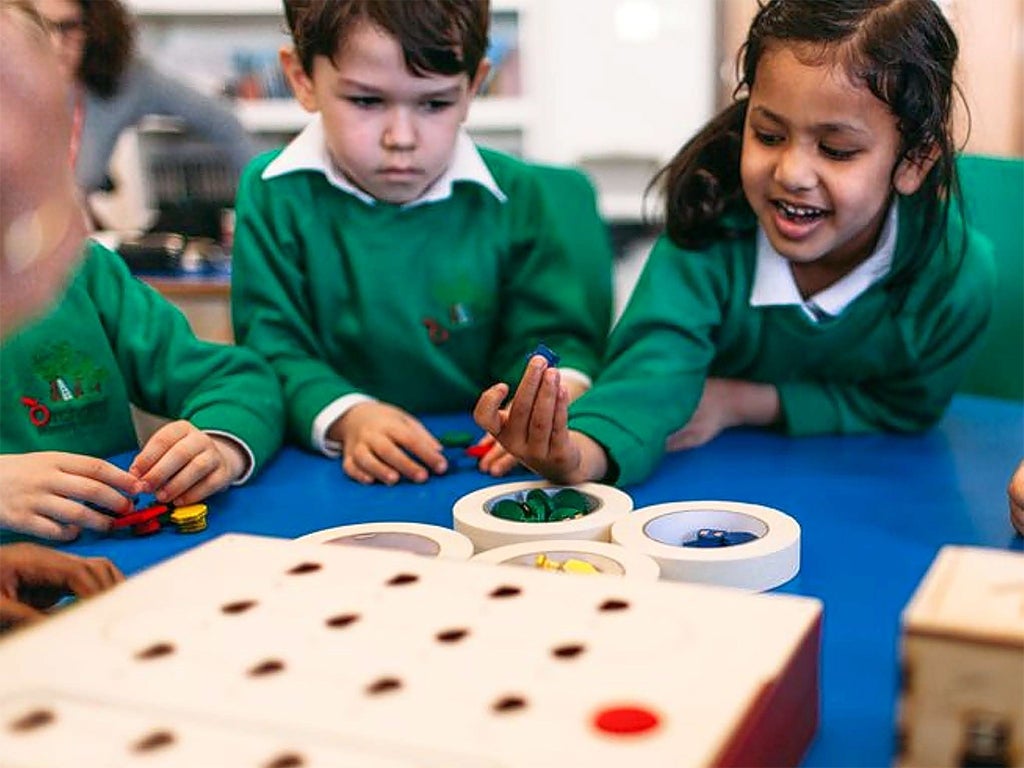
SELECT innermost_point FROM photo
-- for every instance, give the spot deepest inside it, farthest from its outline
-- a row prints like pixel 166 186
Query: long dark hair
pixel 904 51
pixel 109 45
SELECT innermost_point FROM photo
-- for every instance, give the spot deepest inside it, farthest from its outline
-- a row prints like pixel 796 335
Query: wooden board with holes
pixel 250 651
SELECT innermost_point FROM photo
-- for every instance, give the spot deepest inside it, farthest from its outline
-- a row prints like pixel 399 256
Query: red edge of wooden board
pixel 781 722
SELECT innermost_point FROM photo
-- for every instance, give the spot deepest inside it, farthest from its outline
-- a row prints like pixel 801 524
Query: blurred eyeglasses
pixel 65 29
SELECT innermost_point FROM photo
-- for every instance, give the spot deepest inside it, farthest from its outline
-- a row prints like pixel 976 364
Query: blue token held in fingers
pixel 547 353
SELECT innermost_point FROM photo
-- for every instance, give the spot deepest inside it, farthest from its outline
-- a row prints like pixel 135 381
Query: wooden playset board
pixel 251 651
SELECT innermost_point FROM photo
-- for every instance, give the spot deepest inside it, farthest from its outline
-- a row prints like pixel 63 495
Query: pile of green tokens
pixel 540 507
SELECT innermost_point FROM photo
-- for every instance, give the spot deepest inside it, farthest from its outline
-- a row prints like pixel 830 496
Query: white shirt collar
pixel 308 152
pixel 774 283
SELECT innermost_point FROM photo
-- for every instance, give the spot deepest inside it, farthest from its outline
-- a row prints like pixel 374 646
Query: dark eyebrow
pixel 348 82
pixel 835 127
pixel 447 93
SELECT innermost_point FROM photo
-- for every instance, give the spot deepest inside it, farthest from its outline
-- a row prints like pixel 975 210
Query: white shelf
pixel 272 115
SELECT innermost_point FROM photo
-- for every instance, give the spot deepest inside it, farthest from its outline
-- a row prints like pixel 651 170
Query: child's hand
pixel 181 464
pixel 42 493
pixel 726 403
pixel 383 443
pixel 33 578
pixel 534 428
pixel 1015 492
pixel 497 462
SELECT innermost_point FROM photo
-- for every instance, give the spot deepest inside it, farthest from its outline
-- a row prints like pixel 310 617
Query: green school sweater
pixel 422 307
pixel 111 340
pixel 881 364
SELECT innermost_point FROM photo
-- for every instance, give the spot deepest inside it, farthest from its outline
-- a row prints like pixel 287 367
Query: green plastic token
pixel 563 513
pixel 456 439
pixel 570 498
pixel 507 509
pixel 539 503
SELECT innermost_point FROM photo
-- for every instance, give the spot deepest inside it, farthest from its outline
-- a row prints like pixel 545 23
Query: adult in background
pixel 114 88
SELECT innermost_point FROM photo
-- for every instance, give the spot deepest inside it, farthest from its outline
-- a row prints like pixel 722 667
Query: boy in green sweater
pixel 41 225
pixel 69 379
pixel 385 265
pixel 70 375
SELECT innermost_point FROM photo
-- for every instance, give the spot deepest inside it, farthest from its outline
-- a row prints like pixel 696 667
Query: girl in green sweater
pixel 815 276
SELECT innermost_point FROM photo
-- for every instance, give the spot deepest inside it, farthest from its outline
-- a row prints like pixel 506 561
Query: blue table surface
pixel 874 510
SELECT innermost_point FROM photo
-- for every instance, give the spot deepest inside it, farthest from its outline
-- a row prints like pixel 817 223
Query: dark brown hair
pixel 904 51
pixel 109 45
pixel 445 37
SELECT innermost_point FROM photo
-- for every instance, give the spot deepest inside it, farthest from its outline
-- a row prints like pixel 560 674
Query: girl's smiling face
pixel 818 160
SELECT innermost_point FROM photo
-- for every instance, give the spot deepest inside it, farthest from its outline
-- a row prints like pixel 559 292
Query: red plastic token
pixel 139 516
pixel 478 451
pixel 146 528
pixel 625 721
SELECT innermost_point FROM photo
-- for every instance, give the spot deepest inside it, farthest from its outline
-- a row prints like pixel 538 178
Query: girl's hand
pixel 33 578
pixel 497 462
pixel 43 493
pixel 534 427
pixel 726 403
pixel 181 464
pixel 382 443
pixel 1015 492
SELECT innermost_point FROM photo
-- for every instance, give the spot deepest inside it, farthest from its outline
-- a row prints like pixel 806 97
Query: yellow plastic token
pixel 189 514
pixel 573 565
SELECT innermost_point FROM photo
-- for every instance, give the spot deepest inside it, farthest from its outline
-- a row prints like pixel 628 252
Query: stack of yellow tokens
pixel 190 519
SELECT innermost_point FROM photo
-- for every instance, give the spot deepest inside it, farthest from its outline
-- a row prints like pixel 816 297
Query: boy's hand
pixel 382 443
pixel 181 464
pixel 42 493
pixel 33 578
pixel 1015 492
pixel 726 403
pixel 534 427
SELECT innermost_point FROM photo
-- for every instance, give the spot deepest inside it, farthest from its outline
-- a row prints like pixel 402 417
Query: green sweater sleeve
pixel 657 360
pixel 558 277
pixel 941 326
pixel 269 305
pixel 171 373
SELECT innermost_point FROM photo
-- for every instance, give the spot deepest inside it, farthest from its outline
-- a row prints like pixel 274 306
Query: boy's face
pixel 391 133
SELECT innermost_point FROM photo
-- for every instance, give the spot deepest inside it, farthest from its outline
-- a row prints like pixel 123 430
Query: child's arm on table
pixel 383 443
pixel 33 578
pixel 534 427
pixel 1015 492
pixel 727 403
pixel 181 464
pixel 43 493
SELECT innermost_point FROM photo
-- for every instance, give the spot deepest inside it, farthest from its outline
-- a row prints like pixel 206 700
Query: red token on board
pixel 625 721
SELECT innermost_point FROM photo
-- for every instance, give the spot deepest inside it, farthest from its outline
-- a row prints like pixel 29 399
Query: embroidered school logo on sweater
pixel 71 394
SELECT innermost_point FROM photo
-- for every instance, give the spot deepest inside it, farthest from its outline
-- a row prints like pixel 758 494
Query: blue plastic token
pixel 547 353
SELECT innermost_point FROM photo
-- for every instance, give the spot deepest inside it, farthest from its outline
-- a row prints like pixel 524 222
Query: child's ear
pixel 300 82
pixel 914 167
pixel 482 71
